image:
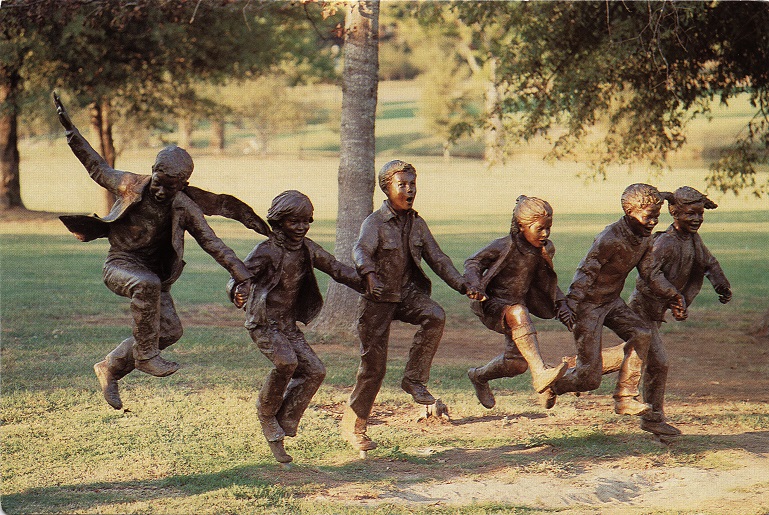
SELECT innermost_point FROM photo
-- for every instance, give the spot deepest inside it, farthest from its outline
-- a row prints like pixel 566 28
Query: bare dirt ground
pixel 702 379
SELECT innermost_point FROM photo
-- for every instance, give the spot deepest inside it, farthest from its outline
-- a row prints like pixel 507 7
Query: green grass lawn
pixel 191 442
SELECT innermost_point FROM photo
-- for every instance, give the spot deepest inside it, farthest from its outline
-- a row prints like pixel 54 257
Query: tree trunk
pixel 101 123
pixel 10 187
pixel 493 135
pixel 185 132
pixel 217 135
pixel 356 160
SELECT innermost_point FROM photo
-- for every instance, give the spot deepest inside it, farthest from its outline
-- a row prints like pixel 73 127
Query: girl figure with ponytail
pixel 515 277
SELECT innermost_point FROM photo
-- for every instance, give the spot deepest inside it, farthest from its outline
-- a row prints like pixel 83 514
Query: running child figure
pixel 679 263
pixel 393 242
pixel 514 278
pixel 146 229
pixel 284 290
pixel 594 298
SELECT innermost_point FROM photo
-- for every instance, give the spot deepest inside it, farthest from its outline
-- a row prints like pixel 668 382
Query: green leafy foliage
pixel 620 81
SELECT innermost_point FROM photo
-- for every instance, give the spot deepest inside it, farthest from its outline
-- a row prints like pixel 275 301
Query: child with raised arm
pixel 393 242
pixel 145 229
pixel 283 291
pixel 515 279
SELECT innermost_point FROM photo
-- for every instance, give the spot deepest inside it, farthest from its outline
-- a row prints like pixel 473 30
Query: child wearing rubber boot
pixel 594 298
pixel 146 229
pixel 515 279
pixel 284 290
pixel 388 254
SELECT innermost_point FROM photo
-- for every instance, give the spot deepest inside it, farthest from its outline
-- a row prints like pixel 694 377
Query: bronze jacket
pixel 482 267
pixel 188 209
pixel 265 263
pixel 601 274
pixel 673 271
pixel 381 237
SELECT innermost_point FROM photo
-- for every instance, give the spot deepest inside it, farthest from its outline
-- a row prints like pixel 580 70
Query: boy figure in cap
pixel 393 242
pixel 283 291
pixel 594 298
pixel 679 263
pixel 146 229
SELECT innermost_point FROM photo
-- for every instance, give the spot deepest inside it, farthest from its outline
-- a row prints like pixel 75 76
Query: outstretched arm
pixel 442 264
pixel 338 271
pixel 228 206
pixel 104 175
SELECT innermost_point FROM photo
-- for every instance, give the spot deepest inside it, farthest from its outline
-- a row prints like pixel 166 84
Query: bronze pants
pixel 374 319
pixel 629 326
pixel 155 322
pixel 298 373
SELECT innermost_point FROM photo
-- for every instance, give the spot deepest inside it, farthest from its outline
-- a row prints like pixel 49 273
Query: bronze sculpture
pixel 388 254
pixel 146 229
pixel 516 273
pixel 679 263
pixel 594 298
pixel 283 291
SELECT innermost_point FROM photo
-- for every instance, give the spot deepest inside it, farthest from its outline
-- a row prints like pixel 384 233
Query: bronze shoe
pixel 547 398
pixel 482 389
pixel 418 391
pixel 631 406
pixel 353 429
pixel 156 366
pixel 543 379
pixel 279 452
pixel 108 384
pixel 659 428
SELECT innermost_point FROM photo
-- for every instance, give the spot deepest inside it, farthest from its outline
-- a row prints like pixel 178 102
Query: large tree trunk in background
pixel 101 123
pixel 10 187
pixel 356 160
pixel 217 135
pixel 493 150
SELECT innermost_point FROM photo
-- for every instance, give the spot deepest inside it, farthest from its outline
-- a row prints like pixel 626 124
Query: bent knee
pixel 517 315
pixel 286 366
pixel 146 287
pixel 435 316
pixel 171 337
pixel 589 379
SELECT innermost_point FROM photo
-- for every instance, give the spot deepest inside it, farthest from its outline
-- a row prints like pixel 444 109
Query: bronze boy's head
pixel 687 207
pixel 642 204
pixel 532 218
pixel 291 214
pixel 170 173
pixel 398 179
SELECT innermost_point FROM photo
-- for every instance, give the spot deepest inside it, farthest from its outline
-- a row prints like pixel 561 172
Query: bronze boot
pixel 353 429
pixel 279 452
pixel 542 376
pixel 157 366
pixel 108 384
pixel 482 389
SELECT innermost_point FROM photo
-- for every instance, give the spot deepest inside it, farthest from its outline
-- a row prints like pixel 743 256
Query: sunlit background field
pixel 460 187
